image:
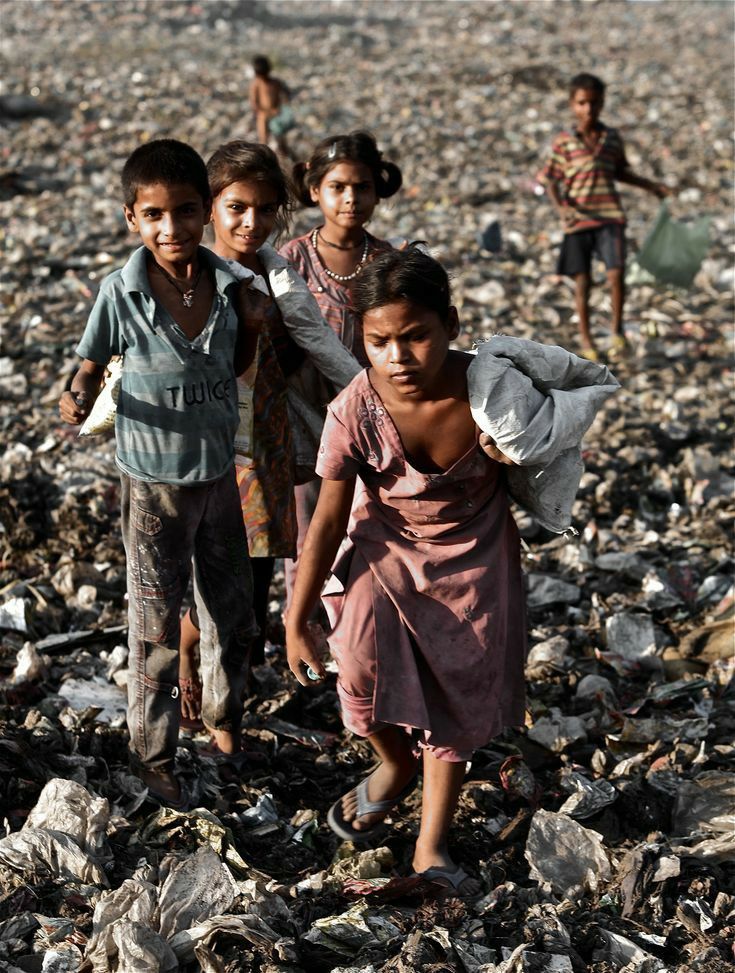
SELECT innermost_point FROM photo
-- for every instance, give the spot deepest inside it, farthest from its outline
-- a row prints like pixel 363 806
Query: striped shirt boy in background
pixel 580 175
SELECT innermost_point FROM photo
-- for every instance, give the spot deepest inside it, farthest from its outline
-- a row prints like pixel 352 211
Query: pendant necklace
pixel 187 296
pixel 342 278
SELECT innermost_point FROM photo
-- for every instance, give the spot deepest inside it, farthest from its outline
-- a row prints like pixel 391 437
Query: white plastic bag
pixel 101 418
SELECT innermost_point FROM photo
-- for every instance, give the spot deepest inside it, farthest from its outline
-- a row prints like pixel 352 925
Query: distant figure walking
pixel 270 100
pixel 580 174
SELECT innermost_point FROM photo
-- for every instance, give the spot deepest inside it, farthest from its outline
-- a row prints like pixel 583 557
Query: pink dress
pixel 426 596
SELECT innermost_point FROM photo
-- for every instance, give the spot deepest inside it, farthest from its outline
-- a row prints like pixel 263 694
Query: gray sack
pixel 537 402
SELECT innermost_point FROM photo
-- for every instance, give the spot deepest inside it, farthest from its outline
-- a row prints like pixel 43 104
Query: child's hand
pixel 569 215
pixel 303 656
pixel 74 407
pixel 487 445
pixel 661 190
pixel 252 306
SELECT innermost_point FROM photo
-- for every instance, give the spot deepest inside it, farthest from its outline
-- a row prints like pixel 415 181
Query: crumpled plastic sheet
pixel 587 796
pixel 134 901
pixel 62 959
pixel 622 952
pixel 63 805
pixel 251 928
pixel 631 643
pixel 370 863
pixel 556 731
pixel 352 930
pixel 565 855
pixel 29 664
pixel 706 804
pixel 142 924
pixel 194 889
pixel 141 949
pixel 35 849
pixel 200 823
pixel 99 693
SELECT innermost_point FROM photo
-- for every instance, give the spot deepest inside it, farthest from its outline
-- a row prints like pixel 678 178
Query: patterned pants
pixel 165 527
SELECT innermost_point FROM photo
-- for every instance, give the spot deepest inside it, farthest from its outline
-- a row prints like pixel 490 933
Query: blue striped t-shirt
pixel 177 412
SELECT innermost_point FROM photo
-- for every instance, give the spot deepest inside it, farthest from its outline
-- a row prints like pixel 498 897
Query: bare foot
pixel 384 783
pixel 227 741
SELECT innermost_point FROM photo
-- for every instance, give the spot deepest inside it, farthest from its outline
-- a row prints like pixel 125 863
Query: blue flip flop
pixel 344 829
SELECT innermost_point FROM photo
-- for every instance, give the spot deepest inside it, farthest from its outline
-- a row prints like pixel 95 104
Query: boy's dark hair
pixel 261 66
pixel 586 82
pixel 355 147
pixel 403 275
pixel 165 161
pixel 241 161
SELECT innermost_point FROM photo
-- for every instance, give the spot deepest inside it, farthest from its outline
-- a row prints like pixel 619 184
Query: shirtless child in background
pixel 269 98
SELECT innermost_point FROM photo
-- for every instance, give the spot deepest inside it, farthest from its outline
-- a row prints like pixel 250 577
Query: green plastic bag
pixel 673 252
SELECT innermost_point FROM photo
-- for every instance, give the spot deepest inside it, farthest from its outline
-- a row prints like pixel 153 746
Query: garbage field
pixel 602 832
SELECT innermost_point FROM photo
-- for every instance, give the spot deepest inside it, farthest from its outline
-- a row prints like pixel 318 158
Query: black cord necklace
pixel 187 296
pixel 338 246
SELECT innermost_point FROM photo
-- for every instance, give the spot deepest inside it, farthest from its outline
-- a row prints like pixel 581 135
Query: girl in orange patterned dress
pixel 251 201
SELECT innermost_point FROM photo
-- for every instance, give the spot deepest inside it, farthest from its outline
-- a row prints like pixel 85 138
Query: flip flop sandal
pixel 344 828
pixel 448 879
pixel 191 689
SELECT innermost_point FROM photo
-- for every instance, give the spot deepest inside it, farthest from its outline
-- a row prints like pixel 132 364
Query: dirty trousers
pixel 165 527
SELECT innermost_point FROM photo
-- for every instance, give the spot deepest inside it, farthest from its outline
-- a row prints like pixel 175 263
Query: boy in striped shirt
pixel 171 311
pixel 580 175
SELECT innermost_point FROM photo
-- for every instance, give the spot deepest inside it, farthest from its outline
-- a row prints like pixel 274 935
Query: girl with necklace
pixel 345 177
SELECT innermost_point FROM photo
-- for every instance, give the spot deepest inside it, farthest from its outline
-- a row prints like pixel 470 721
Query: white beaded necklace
pixel 331 273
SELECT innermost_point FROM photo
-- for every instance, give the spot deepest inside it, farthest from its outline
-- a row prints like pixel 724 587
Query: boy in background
pixel 580 175
pixel 269 99
pixel 170 313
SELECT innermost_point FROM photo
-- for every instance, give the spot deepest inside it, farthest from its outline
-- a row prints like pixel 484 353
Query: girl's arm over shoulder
pixel 304 322
pixel 326 532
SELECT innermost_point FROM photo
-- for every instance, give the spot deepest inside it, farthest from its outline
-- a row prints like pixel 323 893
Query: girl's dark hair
pixel 165 161
pixel 403 275
pixel 355 147
pixel 240 161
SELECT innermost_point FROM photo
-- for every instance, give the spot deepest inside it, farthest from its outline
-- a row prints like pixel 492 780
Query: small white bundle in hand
pixel 101 418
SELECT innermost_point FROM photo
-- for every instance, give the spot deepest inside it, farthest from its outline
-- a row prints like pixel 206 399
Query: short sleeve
pixel 292 252
pixel 339 457
pixel 102 336
pixel 553 169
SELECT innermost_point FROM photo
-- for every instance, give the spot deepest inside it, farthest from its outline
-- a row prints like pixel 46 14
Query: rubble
pixel 601 833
